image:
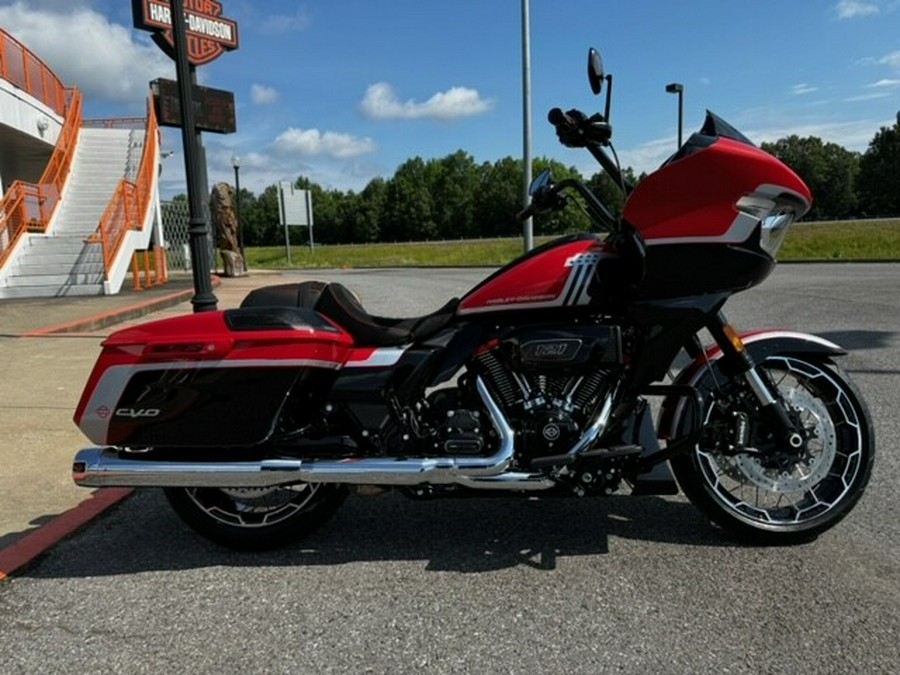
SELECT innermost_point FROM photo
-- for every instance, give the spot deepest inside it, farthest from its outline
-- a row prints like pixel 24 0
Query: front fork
pixel 737 361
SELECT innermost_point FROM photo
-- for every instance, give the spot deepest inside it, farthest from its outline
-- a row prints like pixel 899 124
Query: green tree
pixel 259 218
pixel 609 192
pixel 571 218
pixel 408 213
pixel 828 169
pixel 499 198
pixel 454 188
pixel 879 174
pixel 366 212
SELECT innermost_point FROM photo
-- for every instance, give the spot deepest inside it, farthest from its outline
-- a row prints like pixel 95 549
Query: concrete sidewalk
pixel 47 349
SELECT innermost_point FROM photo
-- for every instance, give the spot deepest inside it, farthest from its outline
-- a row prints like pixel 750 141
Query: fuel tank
pixel 566 272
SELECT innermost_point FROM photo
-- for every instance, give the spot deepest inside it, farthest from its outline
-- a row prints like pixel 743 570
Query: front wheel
pixel 756 493
pixel 256 518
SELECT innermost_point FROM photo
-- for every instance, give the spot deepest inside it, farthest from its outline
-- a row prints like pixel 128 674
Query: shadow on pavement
pixel 461 535
pixel 853 340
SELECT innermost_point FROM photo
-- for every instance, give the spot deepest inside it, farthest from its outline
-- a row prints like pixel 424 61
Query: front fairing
pixel 714 215
pixel 695 196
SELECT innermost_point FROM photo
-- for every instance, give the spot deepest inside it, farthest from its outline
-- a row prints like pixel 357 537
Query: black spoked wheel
pixel 256 518
pixel 783 502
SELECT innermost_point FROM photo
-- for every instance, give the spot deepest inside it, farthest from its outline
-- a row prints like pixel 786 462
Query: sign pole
pixel 309 219
pixel 282 214
pixel 204 299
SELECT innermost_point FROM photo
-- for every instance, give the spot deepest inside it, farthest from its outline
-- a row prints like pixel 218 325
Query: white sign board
pixel 294 208
pixel 294 205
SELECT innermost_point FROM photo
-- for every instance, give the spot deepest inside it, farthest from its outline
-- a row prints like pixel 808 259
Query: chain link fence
pixel 176 223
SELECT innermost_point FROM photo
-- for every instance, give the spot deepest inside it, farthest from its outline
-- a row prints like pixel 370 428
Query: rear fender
pixel 760 345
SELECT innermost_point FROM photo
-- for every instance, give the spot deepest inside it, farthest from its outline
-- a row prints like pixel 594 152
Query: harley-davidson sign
pixel 208 32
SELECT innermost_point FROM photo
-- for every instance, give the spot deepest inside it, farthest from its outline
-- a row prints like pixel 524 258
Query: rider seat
pixel 342 306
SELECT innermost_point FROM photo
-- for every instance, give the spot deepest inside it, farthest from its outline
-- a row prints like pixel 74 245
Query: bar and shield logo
pixel 209 34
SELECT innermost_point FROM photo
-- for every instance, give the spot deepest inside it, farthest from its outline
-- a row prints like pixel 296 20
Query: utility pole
pixel 528 223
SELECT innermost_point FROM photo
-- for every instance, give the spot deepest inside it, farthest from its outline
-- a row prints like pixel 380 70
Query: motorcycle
pixel 544 379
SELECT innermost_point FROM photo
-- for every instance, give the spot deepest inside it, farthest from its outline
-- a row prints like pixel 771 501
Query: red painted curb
pixel 29 547
pixel 102 320
pixel 135 311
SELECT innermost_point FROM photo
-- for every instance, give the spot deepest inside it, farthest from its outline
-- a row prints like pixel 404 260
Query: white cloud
pixel 892 60
pixel 854 136
pixel 86 50
pixel 802 89
pixel 867 97
pixel 286 23
pixel 884 84
pixel 851 9
pixel 382 103
pixel 263 95
pixel 851 135
pixel 312 142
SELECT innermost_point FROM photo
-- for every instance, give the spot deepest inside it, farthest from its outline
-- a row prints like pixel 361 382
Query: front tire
pixel 767 502
pixel 256 518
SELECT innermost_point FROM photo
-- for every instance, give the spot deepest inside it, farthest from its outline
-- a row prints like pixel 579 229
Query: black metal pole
pixel 204 299
pixel 237 211
pixel 678 88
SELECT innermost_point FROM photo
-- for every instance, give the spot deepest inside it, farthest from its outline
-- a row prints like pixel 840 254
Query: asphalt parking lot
pixel 638 585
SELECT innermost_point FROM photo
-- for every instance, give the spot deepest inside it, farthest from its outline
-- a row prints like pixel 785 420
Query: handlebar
pixel 553 197
pixel 576 130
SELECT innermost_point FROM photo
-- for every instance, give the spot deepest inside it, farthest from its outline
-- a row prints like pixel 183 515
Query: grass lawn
pixel 847 240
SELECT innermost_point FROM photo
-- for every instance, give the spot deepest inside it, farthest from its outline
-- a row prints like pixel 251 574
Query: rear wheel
pixel 781 498
pixel 256 518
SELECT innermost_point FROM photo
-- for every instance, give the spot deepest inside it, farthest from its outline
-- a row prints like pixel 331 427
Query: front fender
pixel 760 345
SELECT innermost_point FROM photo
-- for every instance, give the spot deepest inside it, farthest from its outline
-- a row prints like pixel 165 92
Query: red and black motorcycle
pixel 257 420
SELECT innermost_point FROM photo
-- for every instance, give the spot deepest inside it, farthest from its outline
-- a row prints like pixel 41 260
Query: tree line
pixel 455 197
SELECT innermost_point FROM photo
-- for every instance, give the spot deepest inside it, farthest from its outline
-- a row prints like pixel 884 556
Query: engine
pixel 549 381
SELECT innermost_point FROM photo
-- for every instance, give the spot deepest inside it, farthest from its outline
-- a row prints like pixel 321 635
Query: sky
pixel 343 91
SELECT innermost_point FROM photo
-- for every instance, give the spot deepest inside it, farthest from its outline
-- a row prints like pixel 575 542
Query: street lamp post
pixel 678 88
pixel 204 300
pixel 236 164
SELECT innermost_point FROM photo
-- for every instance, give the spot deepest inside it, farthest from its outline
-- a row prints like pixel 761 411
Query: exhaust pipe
pixel 104 467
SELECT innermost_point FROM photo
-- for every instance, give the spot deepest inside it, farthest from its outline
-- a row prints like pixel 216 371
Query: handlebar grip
pixel 570 127
pixel 556 117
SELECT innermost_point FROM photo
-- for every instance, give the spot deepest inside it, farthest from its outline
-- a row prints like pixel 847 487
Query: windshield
pixel 714 127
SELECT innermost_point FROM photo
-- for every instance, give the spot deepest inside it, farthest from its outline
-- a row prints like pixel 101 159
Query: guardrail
pixel 28 207
pixel 129 207
pixel 25 70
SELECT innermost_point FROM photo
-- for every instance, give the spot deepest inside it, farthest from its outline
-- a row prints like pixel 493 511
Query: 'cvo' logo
pixel 138 413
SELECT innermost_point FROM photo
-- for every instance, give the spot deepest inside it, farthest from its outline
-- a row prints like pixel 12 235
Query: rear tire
pixel 763 503
pixel 256 518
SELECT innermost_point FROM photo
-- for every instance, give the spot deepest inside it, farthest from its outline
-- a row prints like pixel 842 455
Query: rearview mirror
pixel 595 71
pixel 542 182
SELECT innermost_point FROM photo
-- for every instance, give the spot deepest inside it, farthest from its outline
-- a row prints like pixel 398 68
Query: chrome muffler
pixel 105 467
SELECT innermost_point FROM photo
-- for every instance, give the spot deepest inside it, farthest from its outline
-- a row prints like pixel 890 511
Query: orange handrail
pixel 29 207
pixel 129 206
pixel 22 68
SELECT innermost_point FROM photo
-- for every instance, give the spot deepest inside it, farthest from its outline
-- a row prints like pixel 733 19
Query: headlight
pixel 774 230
